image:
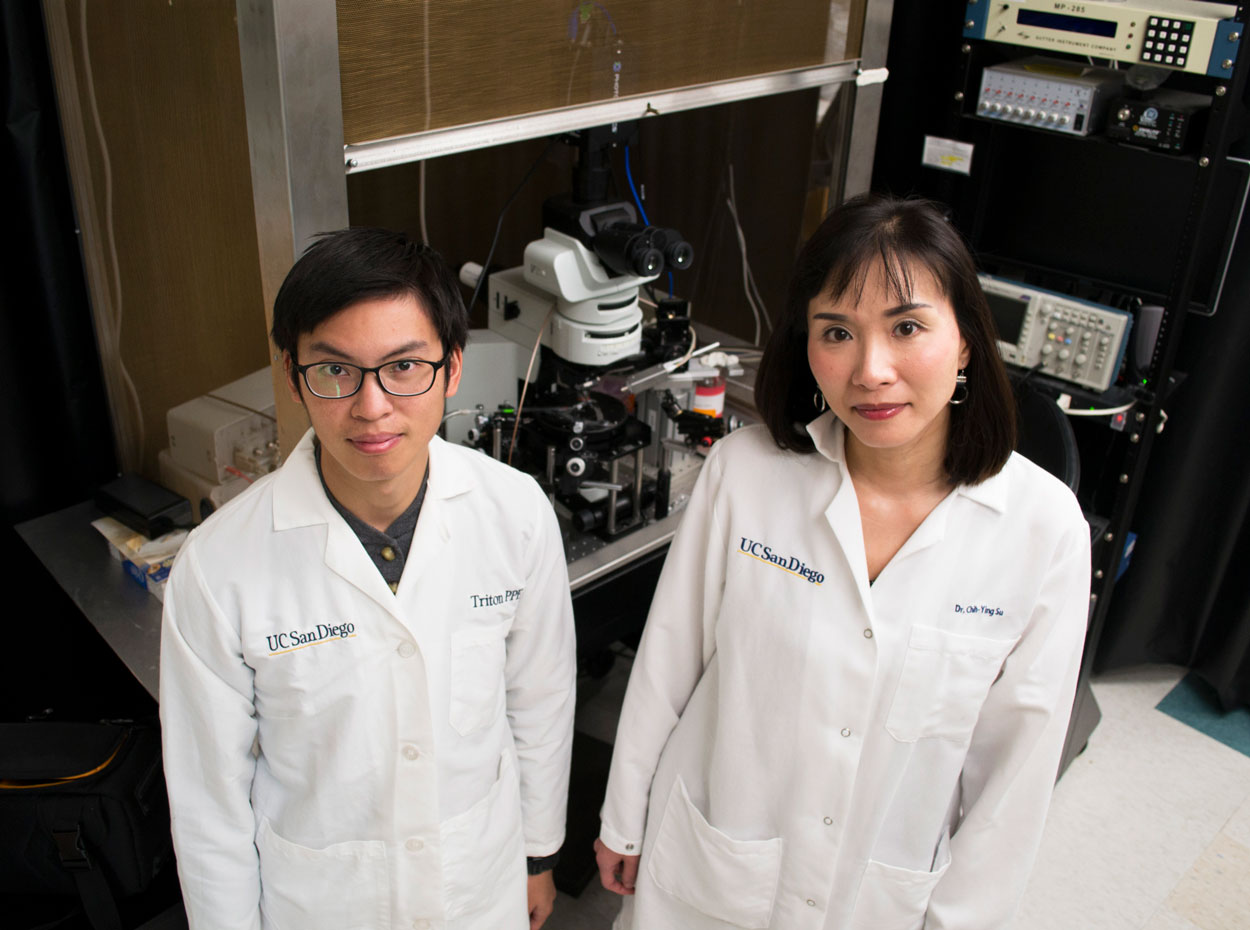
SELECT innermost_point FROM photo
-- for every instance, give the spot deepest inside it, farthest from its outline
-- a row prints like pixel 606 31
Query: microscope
pixel 575 301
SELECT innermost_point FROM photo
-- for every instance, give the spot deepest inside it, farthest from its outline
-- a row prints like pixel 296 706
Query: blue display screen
pixel 1065 23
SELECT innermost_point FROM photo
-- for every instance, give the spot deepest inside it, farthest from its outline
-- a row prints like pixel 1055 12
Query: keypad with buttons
pixel 1074 339
pixel 1167 41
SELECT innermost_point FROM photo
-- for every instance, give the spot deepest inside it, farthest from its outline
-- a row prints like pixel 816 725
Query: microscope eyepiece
pixel 630 248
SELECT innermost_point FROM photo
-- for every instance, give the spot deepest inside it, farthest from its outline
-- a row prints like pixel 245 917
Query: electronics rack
pixel 1086 216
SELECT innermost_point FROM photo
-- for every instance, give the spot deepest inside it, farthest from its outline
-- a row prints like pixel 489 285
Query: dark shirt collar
pixel 388 550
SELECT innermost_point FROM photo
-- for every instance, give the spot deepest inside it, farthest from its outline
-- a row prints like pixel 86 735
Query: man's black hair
pixel 360 263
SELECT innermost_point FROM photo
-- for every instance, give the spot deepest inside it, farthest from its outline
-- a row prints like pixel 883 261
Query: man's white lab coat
pixel 808 751
pixel 411 747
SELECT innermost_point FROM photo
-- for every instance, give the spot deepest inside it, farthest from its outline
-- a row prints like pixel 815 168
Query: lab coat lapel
pixel 430 542
pixel 299 500
pixel 991 493
pixel 346 557
pixel 843 516
pixel 930 532
pixel 842 513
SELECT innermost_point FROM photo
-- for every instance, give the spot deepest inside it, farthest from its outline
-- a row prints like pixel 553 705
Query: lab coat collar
pixel 842 514
pixel 300 501
pixel 992 492
pixel 298 498
pixel 829 436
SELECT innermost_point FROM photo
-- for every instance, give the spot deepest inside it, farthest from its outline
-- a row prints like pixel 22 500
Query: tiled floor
pixel 1149 828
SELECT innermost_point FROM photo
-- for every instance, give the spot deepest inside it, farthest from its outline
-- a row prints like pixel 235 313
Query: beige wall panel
pixel 855 27
pixel 485 60
pixel 166 183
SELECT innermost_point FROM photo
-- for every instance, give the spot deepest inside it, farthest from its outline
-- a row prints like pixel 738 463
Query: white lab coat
pixel 412 747
pixel 807 751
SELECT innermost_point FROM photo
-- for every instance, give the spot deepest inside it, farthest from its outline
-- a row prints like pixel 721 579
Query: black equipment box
pixel 1168 121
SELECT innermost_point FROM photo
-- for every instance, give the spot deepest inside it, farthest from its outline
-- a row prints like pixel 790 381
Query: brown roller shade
pixel 411 65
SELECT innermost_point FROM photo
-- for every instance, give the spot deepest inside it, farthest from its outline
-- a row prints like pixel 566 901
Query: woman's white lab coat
pixel 413 747
pixel 805 750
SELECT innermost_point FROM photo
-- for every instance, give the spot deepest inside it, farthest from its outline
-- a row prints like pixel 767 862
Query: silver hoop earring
pixel 961 389
pixel 818 401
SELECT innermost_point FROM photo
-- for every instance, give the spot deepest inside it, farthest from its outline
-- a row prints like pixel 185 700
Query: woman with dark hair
pixel 852 692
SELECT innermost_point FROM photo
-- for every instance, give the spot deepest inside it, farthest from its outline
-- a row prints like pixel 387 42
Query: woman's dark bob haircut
pixel 903 236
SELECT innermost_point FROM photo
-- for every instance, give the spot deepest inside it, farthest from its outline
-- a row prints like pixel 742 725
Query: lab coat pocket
pixel 732 880
pixel 477 677
pixel 891 898
pixel 343 886
pixel 946 677
pixel 483 847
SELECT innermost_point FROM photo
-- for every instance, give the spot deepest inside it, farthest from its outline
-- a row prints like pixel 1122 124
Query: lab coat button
pixel 867 634
pixel 387 553
pixel 411 753
pixel 846 731
pixel 415 845
pixel 828 821
pixel 406 650
pixel 629 847
pixel 811 903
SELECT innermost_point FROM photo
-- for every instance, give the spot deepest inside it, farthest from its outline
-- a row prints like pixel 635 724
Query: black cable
pixel 1028 375
pixel 235 403
pixel 477 289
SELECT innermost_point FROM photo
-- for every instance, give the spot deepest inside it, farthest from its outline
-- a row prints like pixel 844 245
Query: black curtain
pixel 54 414
pixel 57 435
pixel 1185 598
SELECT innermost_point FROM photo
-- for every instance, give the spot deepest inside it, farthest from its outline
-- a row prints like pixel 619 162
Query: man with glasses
pixel 367 663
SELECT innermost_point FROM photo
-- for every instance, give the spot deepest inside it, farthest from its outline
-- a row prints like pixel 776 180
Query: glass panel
pixel 411 65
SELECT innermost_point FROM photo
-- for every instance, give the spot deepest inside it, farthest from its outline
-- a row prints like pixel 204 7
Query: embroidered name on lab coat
pixel 280 643
pixel 979 609
pixel 493 600
pixel 792 564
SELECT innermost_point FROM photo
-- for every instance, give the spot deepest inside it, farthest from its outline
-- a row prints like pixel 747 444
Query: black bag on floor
pixel 83 811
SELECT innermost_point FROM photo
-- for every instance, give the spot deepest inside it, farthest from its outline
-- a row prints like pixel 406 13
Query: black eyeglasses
pixel 406 377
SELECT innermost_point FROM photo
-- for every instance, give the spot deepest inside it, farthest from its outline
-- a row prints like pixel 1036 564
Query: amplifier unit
pixel 1049 94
